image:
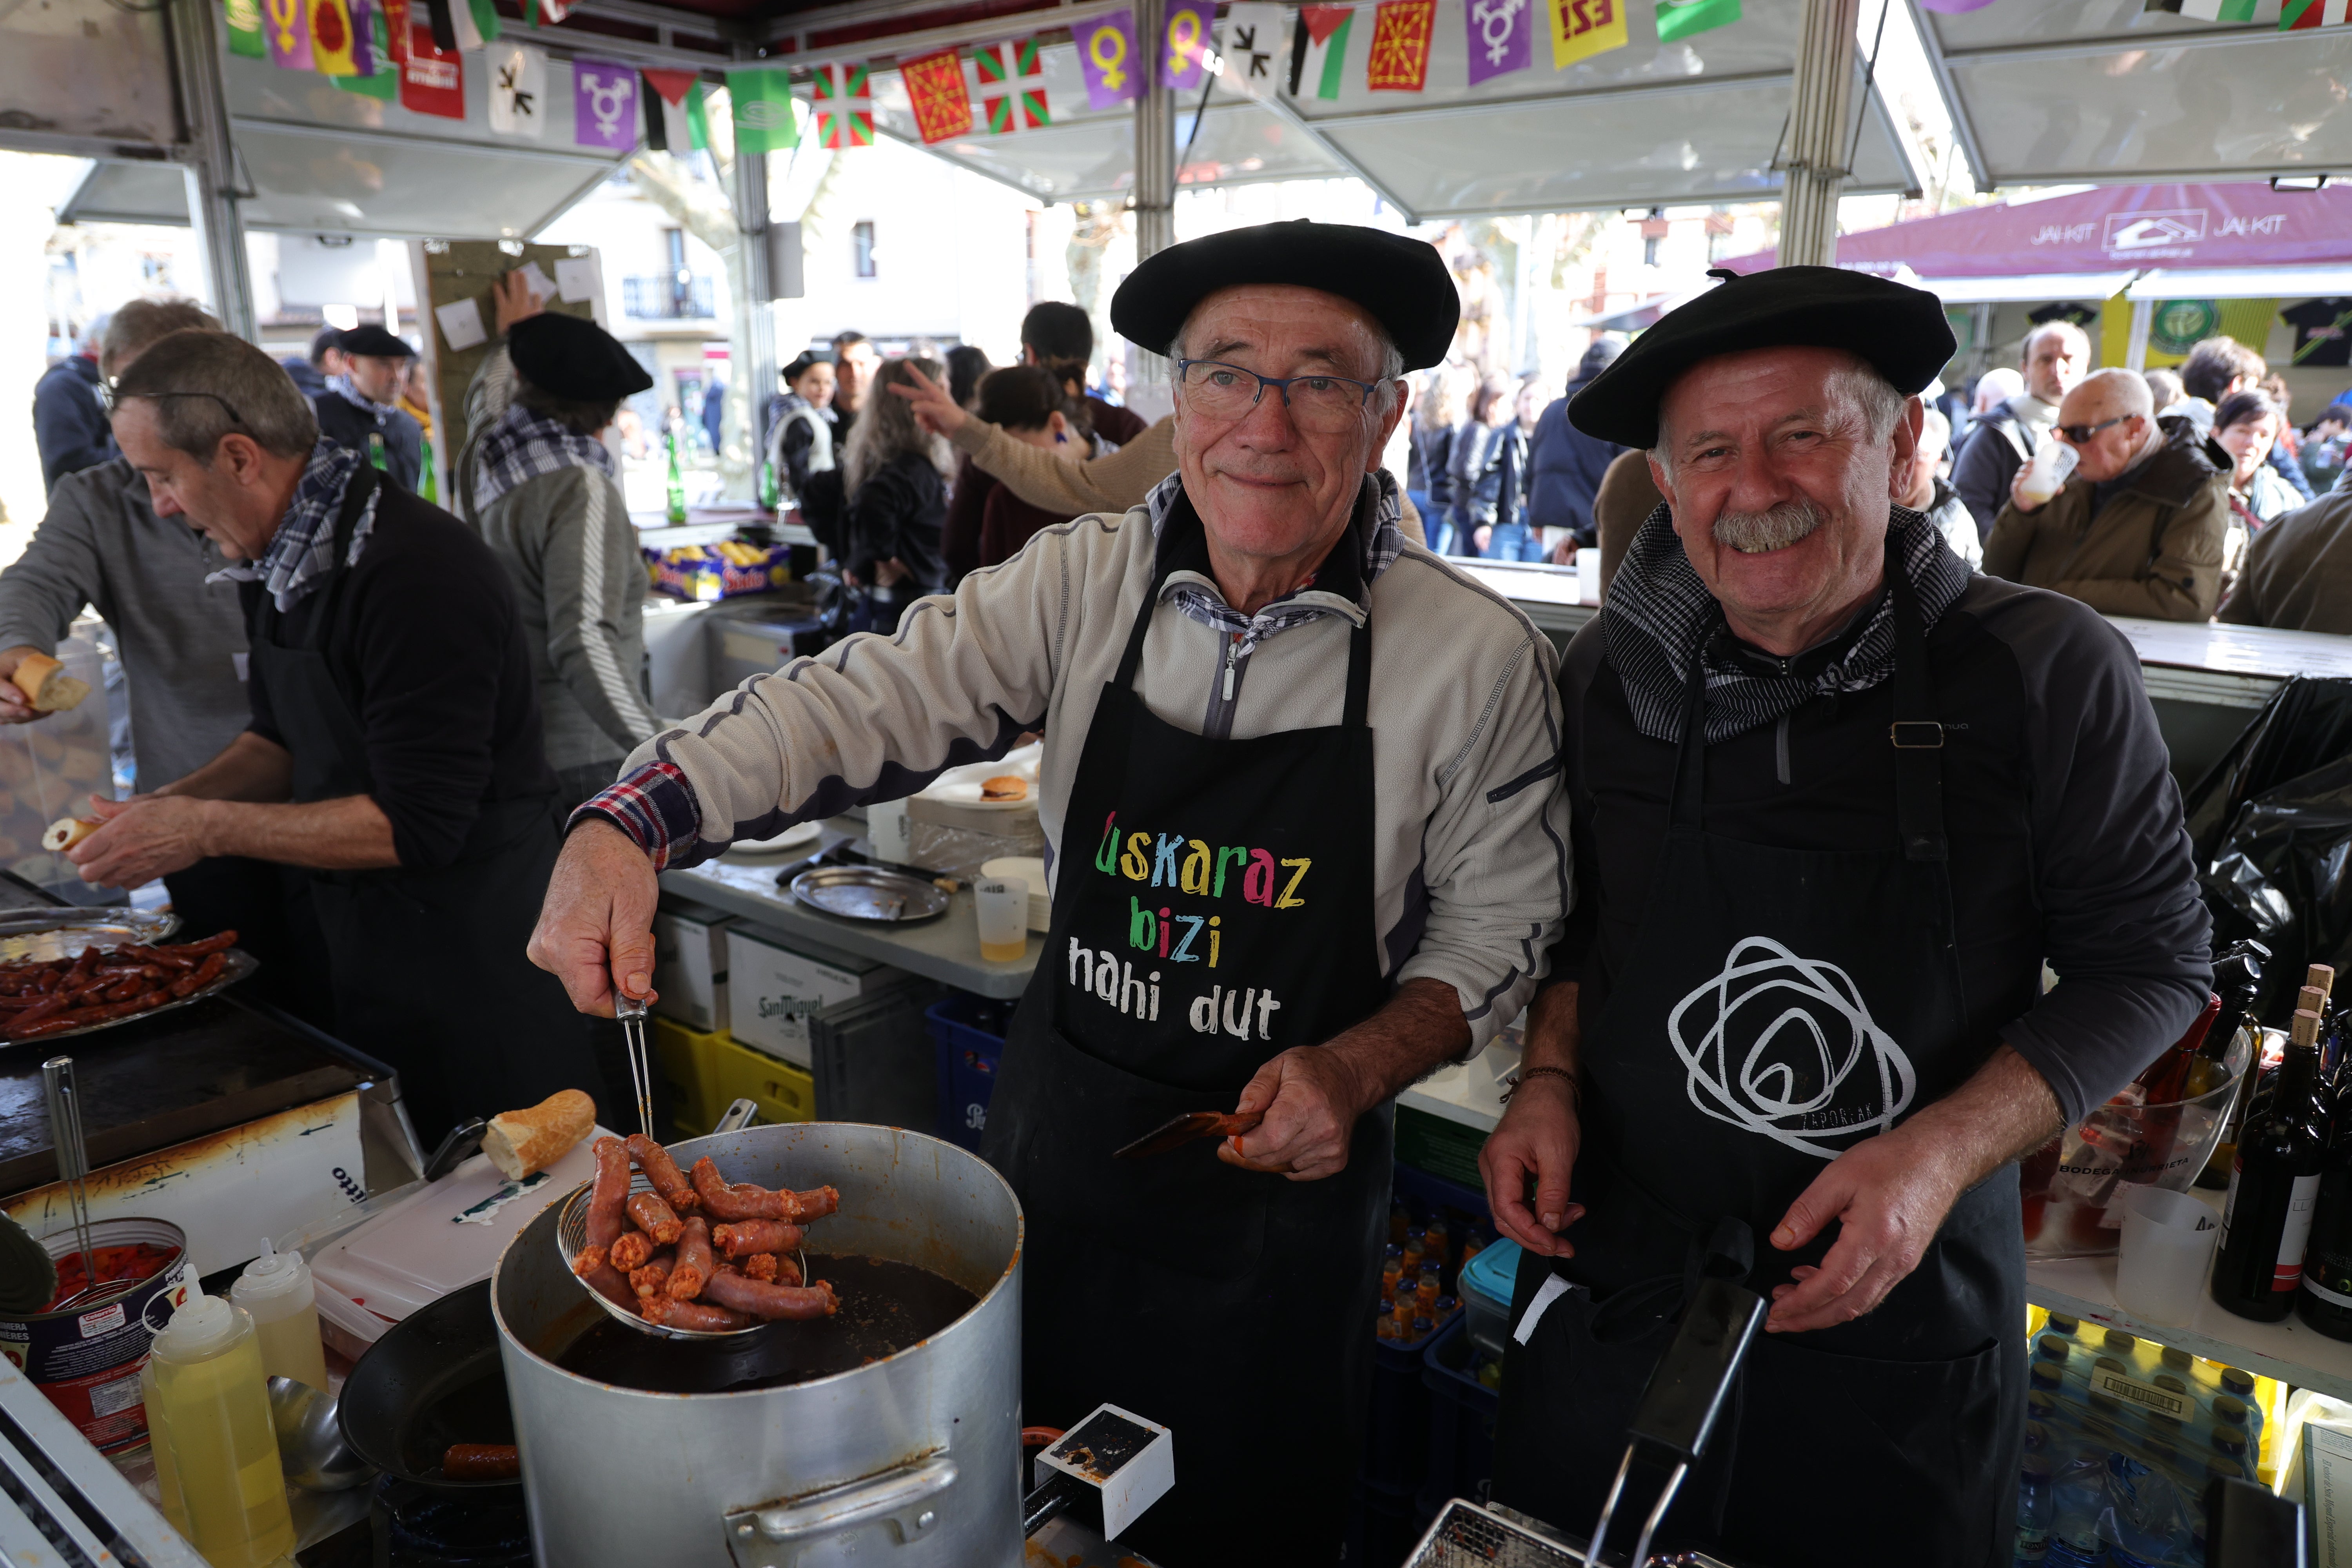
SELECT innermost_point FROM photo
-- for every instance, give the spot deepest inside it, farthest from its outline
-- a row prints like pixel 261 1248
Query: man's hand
pixel 1564 553
pixel 1539 1137
pixel 1889 1195
pixel 16 708
pixel 936 409
pixel 142 838
pixel 2017 492
pixel 1480 538
pixel 890 574
pixel 1311 1096
pixel 511 300
pixel 595 929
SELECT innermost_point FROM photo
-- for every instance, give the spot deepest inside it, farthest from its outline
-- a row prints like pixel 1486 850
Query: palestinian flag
pixel 473 23
pixel 675 122
pixel 844 106
pixel 1318 50
pixel 1012 86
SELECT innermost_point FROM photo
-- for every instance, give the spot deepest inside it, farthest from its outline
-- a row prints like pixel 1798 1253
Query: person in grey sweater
pixel 181 637
pixel 539 485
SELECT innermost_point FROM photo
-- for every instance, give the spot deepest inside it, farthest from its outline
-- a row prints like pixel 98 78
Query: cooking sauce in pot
pixel 886 1305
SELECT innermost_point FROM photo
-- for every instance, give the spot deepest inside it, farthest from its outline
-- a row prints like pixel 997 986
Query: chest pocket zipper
pixel 1780 748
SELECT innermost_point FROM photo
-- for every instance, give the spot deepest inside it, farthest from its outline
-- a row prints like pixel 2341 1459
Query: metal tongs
pixel 631 1011
pixel 73 1165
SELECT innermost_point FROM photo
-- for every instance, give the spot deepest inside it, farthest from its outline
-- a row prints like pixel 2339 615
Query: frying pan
pixel 433 1380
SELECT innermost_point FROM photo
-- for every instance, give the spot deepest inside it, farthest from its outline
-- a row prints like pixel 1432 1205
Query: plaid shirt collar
pixel 1341 586
pixel 522 446
pixel 302 552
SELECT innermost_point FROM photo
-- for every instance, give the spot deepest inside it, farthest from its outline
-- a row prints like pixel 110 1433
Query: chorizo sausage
pixel 742 1293
pixel 203 974
pixel 728 1203
pixel 654 1217
pixel 663 1172
pixel 629 1253
pixel 601 1277
pixel 219 942
pixel 482 1462
pixel 607 1215
pixel 746 1238
pixel 694 1266
pixel 649 1279
pixel 671 1312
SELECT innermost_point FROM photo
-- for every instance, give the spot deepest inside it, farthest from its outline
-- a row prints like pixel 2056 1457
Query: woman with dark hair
pixel 802 439
pixel 894 477
pixel 1032 406
pixel 966 364
pixel 2245 423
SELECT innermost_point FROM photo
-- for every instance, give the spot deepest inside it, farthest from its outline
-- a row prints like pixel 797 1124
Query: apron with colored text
pixel 1778 1008
pixel 1213 907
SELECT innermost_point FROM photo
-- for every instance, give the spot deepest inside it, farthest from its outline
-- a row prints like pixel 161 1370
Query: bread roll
pixel 47 686
pixel 65 833
pixel 1004 786
pixel 521 1141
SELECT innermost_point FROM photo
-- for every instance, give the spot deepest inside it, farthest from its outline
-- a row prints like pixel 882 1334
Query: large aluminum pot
pixel 913 1461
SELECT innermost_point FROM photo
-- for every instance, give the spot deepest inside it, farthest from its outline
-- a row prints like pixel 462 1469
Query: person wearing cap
pixel 360 408
pixel 392 751
pixel 1298 780
pixel 538 483
pixel 1836 802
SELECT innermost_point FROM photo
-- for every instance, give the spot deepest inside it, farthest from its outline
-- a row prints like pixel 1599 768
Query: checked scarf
pixel 302 552
pixel 522 446
pixel 1659 610
pixel 1383 542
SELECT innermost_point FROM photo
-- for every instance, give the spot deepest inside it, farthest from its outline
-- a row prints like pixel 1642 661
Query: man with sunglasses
pixel 1299 786
pixel 393 747
pixel 2140 528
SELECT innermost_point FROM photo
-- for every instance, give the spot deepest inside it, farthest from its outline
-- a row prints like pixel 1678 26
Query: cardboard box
pixel 773 989
pixel 691 967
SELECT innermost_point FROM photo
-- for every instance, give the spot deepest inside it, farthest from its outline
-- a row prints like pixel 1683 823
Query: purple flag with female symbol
pixel 1185 43
pixel 1107 60
pixel 1502 36
pixel 604 105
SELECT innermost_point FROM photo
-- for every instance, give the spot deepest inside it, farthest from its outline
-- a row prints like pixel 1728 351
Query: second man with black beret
pixel 358 408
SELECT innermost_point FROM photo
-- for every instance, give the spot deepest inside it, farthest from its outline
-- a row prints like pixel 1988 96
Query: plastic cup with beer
pixel 2046 471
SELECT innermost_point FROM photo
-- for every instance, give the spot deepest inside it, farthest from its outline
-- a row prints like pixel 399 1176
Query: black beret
pixel 1402 281
pixel 570 357
pixel 373 343
pixel 1899 329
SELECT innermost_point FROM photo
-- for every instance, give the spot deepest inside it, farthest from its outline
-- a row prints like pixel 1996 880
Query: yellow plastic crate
pixel 707 1072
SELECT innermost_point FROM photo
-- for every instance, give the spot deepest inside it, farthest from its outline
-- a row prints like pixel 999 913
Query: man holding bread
pixel 393 747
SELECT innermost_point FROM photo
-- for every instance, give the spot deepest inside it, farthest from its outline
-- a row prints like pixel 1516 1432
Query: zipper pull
pixel 1232 651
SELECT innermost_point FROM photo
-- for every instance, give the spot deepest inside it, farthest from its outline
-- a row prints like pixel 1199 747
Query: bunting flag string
pixel 1318 50
pixel 1107 60
pixel 1399 61
pixel 761 101
pixel 1256 48
pixel 604 105
pixel 935 92
pixel 2296 15
pixel 1583 28
pixel 1185 43
pixel 844 106
pixel 1680 19
pixel 1501 36
pixel 1012 86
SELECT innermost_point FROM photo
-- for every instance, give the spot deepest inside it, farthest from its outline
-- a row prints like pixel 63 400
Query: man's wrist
pixel 214 828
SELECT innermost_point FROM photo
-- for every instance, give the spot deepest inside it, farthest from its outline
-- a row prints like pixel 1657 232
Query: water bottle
pixel 2078 1495
pixel 676 498
pixel 375 449
pixel 428 483
pixel 2033 1510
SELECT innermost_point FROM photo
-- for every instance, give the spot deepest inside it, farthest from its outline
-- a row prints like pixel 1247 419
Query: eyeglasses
pixel 114 400
pixel 1325 405
pixel 2078 434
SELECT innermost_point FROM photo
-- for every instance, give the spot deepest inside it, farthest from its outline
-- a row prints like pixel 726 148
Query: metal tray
pixel 41 934
pixel 240 965
pixel 869 893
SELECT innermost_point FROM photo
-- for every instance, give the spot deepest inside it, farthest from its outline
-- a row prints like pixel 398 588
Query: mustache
pixel 1776 527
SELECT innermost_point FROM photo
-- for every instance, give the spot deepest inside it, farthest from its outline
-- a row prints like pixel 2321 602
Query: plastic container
pixel 278 1294
pixel 86 1360
pixel 1485 1292
pixel 2167 1248
pixel 215 1451
pixel 970 1051
pixel 1461 1418
pixel 1001 906
pixel 2046 472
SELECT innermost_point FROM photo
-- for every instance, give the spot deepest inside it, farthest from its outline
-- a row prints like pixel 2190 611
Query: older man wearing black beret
pixel 1836 802
pixel 1299 786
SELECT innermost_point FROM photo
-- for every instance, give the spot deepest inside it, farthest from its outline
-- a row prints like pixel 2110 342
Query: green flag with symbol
pixel 762 99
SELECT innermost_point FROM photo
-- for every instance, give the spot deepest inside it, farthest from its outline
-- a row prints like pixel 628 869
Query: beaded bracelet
pixel 1575 1090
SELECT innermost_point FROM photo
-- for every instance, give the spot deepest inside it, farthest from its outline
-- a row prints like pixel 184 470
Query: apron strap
pixel 1687 806
pixel 1132 659
pixel 1917 737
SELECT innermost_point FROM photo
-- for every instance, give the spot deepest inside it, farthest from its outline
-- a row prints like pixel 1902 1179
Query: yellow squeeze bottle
pixel 277 1291
pixel 215 1453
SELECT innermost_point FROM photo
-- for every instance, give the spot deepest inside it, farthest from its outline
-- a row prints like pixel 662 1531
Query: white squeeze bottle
pixel 276 1292
pixel 215 1453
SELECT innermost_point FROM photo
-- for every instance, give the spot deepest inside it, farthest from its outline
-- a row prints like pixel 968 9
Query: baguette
pixel 47 686
pixel 65 832
pixel 521 1141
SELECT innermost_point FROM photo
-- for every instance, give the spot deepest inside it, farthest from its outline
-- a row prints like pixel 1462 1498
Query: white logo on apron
pixel 1860 1079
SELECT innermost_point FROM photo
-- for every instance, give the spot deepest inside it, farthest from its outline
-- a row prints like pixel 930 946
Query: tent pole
pixel 1821 94
pixel 211 169
pixel 1155 136
pixel 752 345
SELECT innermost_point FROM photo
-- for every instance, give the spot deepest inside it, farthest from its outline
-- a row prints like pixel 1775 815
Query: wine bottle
pixel 2273 1188
pixel 2325 1301
pixel 2165 1080
pixel 2238 976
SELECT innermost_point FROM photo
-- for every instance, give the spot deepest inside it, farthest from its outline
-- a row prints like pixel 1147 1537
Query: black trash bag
pixel 2272 823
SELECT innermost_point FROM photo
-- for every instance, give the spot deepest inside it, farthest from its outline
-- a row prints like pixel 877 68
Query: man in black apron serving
pixel 394 749
pixel 1300 785
pixel 1835 801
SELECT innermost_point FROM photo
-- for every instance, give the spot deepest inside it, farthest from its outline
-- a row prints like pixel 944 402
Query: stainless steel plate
pixel 869 893
pixel 240 965
pixel 42 935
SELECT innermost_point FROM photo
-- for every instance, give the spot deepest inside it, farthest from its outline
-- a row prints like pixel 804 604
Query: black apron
pixel 1779 1006
pixel 1213 907
pixel 429 975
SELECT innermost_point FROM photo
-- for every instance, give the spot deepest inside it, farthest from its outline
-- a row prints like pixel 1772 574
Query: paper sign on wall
pixel 461 324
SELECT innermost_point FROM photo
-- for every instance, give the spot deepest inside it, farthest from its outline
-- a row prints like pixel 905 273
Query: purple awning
pixel 2113 226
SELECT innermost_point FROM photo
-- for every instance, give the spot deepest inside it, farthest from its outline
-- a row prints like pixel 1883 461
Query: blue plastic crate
pixel 1461 1420
pixel 968 1056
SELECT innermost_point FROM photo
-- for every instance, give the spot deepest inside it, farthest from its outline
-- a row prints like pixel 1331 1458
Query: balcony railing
pixel 663 298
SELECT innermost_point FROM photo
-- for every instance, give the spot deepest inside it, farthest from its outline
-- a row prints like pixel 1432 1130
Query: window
pixel 861 250
pixel 1719 241
pixel 1650 250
